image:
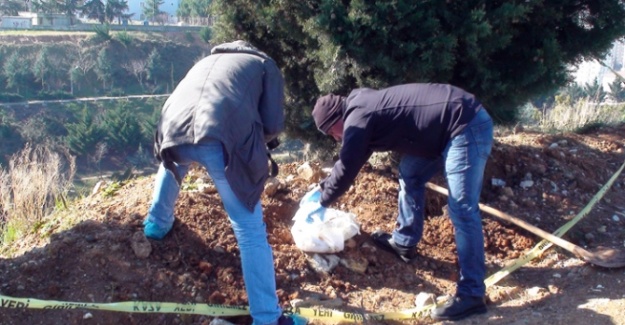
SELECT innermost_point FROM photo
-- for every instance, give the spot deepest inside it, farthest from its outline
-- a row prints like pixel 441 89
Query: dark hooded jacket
pixel 411 119
pixel 235 95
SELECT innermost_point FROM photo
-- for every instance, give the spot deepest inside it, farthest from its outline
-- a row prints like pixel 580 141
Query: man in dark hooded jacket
pixel 222 115
pixel 430 125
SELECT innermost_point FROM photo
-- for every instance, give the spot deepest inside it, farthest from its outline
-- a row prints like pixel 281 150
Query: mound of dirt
pixel 543 179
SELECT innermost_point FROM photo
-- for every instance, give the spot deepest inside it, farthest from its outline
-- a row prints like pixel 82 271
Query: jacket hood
pixel 239 46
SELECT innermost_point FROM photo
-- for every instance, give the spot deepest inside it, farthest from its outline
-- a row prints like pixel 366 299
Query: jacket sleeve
pixel 272 101
pixel 354 154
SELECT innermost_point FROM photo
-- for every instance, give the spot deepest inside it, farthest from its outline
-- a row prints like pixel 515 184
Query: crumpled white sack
pixel 323 234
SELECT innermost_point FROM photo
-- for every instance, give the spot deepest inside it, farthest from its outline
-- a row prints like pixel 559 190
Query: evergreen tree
pixel 193 8
pixel 11 7
pixel 94 9
pixel 151 9
pixel 16 72
pixel 505 52
pixel 156 69
pixel 43 6
pixel 594 91
pixel 121 128
pixel 67 7
pixel 104 68
pixel 148 124
pixel 41 68
pixel 115 9
pixel 84 135
pixel 617 91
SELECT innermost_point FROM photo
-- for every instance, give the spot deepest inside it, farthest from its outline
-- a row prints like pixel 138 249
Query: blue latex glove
pixel 313 196
pixel 315 209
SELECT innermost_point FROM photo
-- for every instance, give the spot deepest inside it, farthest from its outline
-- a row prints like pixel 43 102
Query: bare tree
pixel 137 67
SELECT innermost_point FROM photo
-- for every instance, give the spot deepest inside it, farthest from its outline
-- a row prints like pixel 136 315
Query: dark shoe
pixel 385 241
pixel 459 307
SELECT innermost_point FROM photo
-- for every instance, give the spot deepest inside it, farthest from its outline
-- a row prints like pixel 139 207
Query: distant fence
pixel 136 28
pixel 26 104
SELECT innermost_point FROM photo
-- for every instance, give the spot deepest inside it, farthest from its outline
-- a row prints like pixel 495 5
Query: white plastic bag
pixel 325 233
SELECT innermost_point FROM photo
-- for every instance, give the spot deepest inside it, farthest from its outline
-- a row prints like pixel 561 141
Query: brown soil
pixel 198 262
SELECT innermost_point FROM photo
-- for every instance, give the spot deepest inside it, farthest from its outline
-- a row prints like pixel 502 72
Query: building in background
pixel 16 22
pixel 590 70
pixel 26 20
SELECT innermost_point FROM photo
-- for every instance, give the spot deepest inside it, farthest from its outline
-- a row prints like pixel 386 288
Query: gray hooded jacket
pixel 235 95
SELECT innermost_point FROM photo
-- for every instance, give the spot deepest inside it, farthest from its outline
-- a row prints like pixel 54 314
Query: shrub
pixel 580 116
pixel 189 37
pixel 124 38
pixel 206 34
pixel 102 32
pixel 30 187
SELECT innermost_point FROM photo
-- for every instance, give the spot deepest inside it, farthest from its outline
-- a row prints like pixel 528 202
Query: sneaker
pixel 292 319
pixel 459 307
pixel 154 231
pixel 385 241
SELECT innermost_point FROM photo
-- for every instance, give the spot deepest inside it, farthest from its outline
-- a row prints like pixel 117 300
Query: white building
pixel 26 20
pixel 588 71
pixel 16 22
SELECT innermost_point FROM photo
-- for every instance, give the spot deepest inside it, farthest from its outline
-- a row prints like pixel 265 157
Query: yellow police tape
pixel 544 244
pixel 309 313
pixel 204 309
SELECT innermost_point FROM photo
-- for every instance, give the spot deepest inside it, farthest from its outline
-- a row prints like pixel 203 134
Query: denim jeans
pixel 464 160
pixel 249 227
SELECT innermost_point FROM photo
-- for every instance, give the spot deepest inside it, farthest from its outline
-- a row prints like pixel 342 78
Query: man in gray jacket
pixel 222 115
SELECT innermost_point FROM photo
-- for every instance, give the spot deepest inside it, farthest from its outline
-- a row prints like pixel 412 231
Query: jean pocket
pixel 483 135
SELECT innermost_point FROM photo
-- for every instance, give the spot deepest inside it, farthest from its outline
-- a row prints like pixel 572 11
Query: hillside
pixel 549 180
pixel 53 65
pixel 55 86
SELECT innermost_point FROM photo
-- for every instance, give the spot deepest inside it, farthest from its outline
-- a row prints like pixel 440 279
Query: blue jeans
pixel 249 227
pixel 464 160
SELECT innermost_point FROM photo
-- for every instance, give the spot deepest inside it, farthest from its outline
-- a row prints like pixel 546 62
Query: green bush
pixel 102 32
pixel 124 38
pixel 189 36
pixel 206 34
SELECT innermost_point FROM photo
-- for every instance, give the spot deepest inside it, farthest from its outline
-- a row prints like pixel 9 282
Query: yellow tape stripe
pixel 310 313
pixel 204 309
pixel 129 306
pixel 340 316
pixel 544 244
